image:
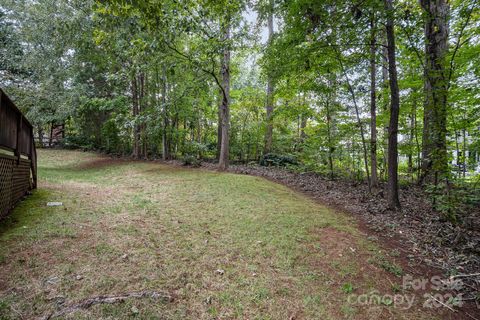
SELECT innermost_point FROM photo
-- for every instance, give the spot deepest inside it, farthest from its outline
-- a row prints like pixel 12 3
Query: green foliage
pixel 110 136
pixel 277 160
pixel 454 201
pixel 347 288
pixel 191 160
pixel 77 142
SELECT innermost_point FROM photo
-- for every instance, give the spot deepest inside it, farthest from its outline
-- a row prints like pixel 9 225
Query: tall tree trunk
pixel 464 152
pixel 434 149
pixel 40 136
pixel 303 125
pixel 393 199
pixel 413 115
pixel 385 104
pixel 373 106
pixel 136 128
pixel 141 110
pixel 50 139
pixel 359 122
pixel 225 107
pixel 165 125
pixel 331 147
pixel 219 126
pixel 269 104
pixel 457 150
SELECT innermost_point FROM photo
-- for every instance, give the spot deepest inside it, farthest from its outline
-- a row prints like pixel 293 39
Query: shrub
pixel 453 201
pixel 278 160
pixel 190 160
pixel 77 142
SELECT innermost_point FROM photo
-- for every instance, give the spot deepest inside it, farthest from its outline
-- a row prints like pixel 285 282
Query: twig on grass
pixel 443 304
pixel 87 303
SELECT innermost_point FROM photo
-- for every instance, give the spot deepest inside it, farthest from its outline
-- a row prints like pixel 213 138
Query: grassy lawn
pixel 223 246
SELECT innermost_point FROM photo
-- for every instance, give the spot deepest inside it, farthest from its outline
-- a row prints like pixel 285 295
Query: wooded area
pixel 237 80
pixel 379 100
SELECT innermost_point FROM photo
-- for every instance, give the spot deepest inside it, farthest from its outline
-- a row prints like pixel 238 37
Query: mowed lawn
pixel 222 246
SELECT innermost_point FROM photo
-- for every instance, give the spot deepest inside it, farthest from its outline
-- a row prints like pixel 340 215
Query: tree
pixel 225 106
pixel 393 199
pixel 270 94
pixel 434 153
pixel 373 102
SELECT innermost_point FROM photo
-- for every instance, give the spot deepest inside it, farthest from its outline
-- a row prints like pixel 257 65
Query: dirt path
pixel 219 246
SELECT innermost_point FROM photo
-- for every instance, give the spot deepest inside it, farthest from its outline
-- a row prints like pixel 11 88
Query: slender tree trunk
pixel 303 125
pixel 142 107
pixel 40 136
pixel 385 104
pixel 373 105
pixel 417 143
pixel 331 147
pixel 412 136
pixel 393 199
pixel 457 149
pixel 171 141
pixel 50 139
pixel 269 104
pixel 434 149
pixel 359 122
pixel 219 127
pixel 225 107
pixel 136 128
pixel 464 153
pixel 145 106
pixel 165 124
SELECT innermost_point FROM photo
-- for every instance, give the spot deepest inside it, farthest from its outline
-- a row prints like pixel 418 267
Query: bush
pixel 454 201
pixel 278 160
pixel 189 160
pixel 77 142
pixel 110 138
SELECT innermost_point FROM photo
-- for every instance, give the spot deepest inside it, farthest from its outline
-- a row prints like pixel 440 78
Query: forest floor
pixel 153 241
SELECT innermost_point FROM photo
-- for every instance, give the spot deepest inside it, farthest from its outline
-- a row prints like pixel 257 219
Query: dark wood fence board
pixel 17 175
pixel 8 126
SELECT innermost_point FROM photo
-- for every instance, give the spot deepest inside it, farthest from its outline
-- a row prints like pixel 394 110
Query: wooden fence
pixel 18 156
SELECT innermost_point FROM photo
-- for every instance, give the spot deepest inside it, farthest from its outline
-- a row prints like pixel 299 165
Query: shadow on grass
pixel 26 213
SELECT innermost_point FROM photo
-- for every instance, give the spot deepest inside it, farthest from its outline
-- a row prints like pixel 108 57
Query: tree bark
pixel 464 152
pixel 434 148
pixel 225 107
pixel 385 86
pixel 50 139
pixel 136 128
pixel 411 148
pixel 373 106
pixel 40 136
pixel 142 106
pixel 219 126
pixel 393 199
pixel 165 124
pixel 303 125
pixel 331 147
pixel 269 104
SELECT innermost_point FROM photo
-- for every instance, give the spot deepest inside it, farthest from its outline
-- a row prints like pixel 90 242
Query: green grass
pixel 131 226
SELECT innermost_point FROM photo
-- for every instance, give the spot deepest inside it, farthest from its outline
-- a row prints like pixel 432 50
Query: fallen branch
pixel 87 303
pixel 443 304
pixel 466 275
